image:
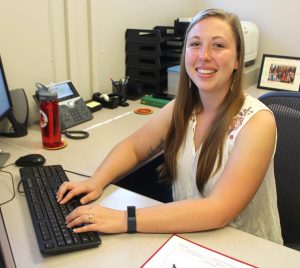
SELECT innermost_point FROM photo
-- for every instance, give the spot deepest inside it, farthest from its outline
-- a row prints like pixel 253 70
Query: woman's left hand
pixel 97 218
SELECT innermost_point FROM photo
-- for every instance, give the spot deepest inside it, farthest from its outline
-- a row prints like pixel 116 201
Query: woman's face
pixel 210 55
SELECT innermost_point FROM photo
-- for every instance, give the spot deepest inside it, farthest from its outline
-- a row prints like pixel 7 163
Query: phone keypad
pixel 74 116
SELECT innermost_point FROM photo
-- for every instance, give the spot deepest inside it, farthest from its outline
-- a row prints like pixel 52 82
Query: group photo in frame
pixel 279 73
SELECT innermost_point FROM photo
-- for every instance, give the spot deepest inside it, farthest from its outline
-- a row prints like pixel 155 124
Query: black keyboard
pixel 48 217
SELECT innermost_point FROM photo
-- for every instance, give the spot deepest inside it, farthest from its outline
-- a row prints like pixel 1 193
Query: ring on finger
pixel 90 218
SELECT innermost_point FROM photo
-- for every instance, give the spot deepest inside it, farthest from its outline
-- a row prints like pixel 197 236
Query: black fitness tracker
pixel 131 220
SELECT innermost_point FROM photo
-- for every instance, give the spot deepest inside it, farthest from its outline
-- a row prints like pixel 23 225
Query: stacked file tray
pixel 174 44
pixel 146 62
pixel 149 53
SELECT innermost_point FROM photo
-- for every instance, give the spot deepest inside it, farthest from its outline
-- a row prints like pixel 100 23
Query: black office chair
pixel 286 108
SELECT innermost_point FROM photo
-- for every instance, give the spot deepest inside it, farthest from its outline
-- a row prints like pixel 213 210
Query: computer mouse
pixel 30 160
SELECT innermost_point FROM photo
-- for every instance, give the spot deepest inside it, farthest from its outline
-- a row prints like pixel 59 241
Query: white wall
pixel 113 18
pixel 27 45
pixel 278 22
pixel 54 40
pixel 109 21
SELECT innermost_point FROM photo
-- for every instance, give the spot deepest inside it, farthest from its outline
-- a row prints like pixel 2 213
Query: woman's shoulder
pixel 252 108
pixel 254 103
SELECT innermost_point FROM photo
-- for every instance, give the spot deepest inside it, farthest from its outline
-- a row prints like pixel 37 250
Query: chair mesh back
pixel 286 108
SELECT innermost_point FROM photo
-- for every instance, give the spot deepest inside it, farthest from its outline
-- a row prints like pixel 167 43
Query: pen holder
pixel 120 88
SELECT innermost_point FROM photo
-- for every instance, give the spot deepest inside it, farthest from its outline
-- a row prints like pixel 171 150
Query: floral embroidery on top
pixel 238 120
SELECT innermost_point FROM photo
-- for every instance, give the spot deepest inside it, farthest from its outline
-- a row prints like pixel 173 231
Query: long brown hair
pixel 188 100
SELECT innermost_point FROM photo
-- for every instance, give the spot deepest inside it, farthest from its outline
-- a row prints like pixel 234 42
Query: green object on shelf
pixel 152 101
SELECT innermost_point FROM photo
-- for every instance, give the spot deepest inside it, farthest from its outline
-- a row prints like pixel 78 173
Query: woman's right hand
pixel 68 190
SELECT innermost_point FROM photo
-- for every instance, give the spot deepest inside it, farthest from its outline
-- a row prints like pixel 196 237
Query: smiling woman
pixel 212 74
pixel 211 55
pixel 218 146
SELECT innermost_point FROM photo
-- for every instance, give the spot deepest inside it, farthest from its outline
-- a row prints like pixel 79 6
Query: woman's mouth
pixel 206 71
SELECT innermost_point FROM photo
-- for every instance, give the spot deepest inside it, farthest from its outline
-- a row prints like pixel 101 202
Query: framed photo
pixel 279 73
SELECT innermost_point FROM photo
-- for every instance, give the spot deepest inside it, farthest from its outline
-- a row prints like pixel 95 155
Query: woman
pixel 218 145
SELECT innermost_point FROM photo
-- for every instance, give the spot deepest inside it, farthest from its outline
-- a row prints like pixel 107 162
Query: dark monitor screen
pixel 18 129
pixel 5 107
pixel 5 101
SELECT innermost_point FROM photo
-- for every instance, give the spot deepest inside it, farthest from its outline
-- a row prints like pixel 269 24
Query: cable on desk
pixel 7 166
pixel 12 181
pixel 19 183
pixel 18 188
pixel 83 175
pixel 76 134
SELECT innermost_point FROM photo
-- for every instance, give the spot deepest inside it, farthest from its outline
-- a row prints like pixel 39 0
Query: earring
pixel 190 83
pixel 233 82
pixel 232 85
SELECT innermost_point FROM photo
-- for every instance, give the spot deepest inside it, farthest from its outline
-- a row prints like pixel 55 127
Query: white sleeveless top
pixel 261 216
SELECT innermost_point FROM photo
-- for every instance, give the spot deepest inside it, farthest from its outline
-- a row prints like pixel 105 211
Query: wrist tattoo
pixel 158 148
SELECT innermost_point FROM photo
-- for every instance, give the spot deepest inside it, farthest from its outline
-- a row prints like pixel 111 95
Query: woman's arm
pixel 124 157
pixel 240 180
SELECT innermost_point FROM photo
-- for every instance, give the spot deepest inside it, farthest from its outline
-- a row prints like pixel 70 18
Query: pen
pixel 113 82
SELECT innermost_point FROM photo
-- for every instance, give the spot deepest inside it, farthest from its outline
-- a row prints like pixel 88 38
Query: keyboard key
pixel 49 245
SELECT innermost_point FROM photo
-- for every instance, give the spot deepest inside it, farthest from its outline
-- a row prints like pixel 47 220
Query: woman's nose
pixel 204 53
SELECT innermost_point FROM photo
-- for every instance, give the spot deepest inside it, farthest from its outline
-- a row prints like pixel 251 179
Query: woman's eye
pixel 194 44
pixel 218 45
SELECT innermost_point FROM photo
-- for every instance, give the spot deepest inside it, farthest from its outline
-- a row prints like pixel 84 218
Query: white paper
pixel 181 253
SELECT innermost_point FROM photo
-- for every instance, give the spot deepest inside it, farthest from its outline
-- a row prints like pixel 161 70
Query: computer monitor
pixel 5 100
pixel 18 128
pixel 5 107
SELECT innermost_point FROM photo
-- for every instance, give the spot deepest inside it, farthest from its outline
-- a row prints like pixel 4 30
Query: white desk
pixel 121 250
pixel 108 127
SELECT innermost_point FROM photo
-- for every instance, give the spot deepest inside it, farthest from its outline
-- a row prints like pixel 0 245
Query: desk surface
pixel 122 250
pixel 106 129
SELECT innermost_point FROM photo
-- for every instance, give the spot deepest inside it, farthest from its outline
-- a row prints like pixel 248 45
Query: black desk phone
pixel 72 108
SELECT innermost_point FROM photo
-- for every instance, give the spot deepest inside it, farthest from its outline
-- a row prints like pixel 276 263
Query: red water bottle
pixel 49 117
